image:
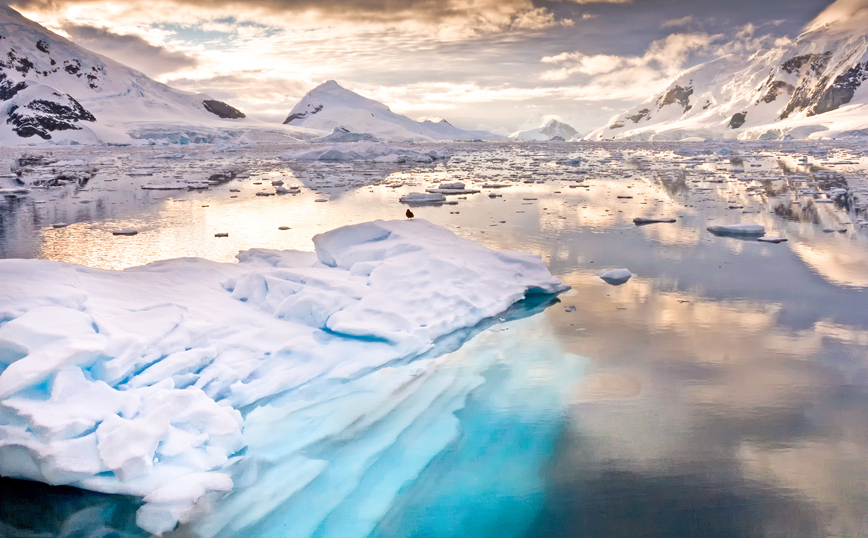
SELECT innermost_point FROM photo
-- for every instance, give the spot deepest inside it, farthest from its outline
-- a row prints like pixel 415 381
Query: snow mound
pixel 134 381
pixel 366 151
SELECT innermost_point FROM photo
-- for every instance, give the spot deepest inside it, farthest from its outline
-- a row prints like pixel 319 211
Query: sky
pixel 495 64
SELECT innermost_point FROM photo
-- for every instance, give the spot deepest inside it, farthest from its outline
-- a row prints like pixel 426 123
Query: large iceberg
pixel 141 381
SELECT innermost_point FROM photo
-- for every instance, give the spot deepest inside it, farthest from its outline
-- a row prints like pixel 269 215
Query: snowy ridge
pixel 814 87
pixel 329 106
pixel 55 91
pixel 139 381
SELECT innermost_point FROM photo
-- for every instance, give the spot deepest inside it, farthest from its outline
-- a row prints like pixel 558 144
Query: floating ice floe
pixel 641 221
pixel 139 382
pixel 366 151
pixel 747 229
pixel 422 198
pixel 616 277
pixel 452 188
pixel 775 240
pixel 171 186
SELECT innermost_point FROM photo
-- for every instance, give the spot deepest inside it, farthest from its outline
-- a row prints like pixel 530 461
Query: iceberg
pixel 144 381
pixel 616 277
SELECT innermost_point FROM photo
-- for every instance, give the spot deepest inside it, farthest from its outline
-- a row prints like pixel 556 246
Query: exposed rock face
pixel 841 91
pixel 8 89
pixel 47 113
pixel 298 116
pixel 221 109
pixel 738 119
pixel 678 95
pixel 644 113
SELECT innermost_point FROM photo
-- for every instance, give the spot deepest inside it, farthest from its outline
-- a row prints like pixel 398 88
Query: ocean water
pixel 721 392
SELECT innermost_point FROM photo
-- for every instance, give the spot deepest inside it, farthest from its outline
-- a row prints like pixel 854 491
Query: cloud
pixel 676 23
pixel 665 57
pixel 846 14
pixel 132 50
pixel 451 19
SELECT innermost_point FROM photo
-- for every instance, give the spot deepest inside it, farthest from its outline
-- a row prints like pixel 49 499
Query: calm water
pixel 721 392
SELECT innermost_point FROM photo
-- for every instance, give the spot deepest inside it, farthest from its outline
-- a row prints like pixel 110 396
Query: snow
pixel 747 228
pixel 143 381
pixel 366 151
pixel 769 95
pixel 330 107
pixel 128 107
pixel 616 277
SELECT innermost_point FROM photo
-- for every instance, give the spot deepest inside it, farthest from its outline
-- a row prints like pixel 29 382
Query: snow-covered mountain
pixel 813 87
pixel 330 106
pixel 52 90
pixel 551 128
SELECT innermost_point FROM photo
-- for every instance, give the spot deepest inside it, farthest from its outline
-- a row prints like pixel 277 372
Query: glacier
pixel 161 381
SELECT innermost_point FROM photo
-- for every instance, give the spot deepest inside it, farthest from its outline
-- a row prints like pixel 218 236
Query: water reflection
pixel 31 510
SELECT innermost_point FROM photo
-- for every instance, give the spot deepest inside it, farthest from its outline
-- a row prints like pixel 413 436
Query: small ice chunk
pixel 422 198
pixel 772 239
pixel 125 232
pixel 747 228
pixel 616 277
pixel 641 221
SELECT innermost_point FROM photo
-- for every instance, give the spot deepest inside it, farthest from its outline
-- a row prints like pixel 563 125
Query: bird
pixel 409 214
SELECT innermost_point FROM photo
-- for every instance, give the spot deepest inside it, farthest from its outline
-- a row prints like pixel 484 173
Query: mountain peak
pixel 53 89
pixel 330 106
pixel 329 85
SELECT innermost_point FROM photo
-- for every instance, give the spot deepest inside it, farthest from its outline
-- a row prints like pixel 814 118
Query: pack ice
pixel 366 151
pixel 140 381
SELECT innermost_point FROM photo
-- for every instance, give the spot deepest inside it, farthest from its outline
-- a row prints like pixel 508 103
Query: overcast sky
pixel 490 62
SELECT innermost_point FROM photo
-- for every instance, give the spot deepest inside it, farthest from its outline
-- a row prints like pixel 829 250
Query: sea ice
pixel 747 228
pixel 366 151
pixel 420 198
pixel 641 221
pixel 142 381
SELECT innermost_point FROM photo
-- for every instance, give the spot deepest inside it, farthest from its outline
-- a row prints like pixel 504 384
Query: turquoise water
pixel 721 392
